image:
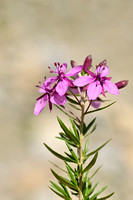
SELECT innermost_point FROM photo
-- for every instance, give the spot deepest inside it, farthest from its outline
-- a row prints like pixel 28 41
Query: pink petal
pixel 42 90
pixel 50 80
pixel 41 103
pixel 91 73
pixel 57 99
pixel 103 71
pixel 74 71
pixel 94 90
pixel 87 63
pixel 96 104
pixel 70 83
pixel 83 80
pixel 64 67
pixel 111 87
pixel 62 87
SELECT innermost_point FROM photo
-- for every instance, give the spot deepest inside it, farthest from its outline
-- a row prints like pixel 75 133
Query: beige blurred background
pixel 33 35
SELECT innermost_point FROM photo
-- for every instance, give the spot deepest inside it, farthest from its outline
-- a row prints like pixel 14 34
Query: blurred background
pixel 33 35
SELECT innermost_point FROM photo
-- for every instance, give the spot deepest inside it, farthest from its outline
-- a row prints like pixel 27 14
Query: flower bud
pixel 73 63
pixel 121 84
pixel 87 63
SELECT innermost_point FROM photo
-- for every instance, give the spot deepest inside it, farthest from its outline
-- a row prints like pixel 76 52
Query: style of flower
pixel 62 81
pixel 97 83
pixel 50 96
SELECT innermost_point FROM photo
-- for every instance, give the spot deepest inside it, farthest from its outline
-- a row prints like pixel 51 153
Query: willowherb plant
pixel 81 89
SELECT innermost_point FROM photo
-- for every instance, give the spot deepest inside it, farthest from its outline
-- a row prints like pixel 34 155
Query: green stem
pixel 80 147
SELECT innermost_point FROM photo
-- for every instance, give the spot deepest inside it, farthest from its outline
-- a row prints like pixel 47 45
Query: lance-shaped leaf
pixel 70 170
pixel 72 153
pixel 102 108
pixel 89 126
pixel 64 181
pixel 74 128
pixel 75 107
pixel 90 190
pixel 96 194
pixel 72 101
pixel 62 196
pixel 59 189
pixel 68 133
pixel 106 197
pixel 67 140
pixel 59 155
pixel 92 162
pixel 96 150
pixel 86 147
pixel 95 172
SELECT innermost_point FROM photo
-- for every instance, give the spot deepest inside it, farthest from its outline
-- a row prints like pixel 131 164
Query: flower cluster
pixel 80 78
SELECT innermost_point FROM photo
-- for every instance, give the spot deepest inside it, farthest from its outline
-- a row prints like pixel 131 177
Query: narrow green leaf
pixel 69 169
pixel 86 147
pixel 62 196
pixel 67 141
pixel 72 152
pixel 72 101
pixel 95 172
pixel 94 128
pixel 68 133
pixel 93 152
pixel 57 166
pixel 65 188
pixel 100 108
pixel 89 126
pixel 65 112
pixel 75 107
pixel 91 190
pixel 59 155
pixel 74 128
pixel 92 162
pixel 106 197
pixel 64 181
pixel 99 192
pixel 58 188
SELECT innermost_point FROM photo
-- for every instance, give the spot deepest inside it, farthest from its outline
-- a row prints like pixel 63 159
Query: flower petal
pixel 111 87
pixel 74 71
pixel 70 82
pixel 57 99
pixel 102 70
pixel 40 104
pixel 50 80
pixel 83 80
pixel 62 87
pixel 94 90
pixel 41 90
pixel 96 104
pixel 64 67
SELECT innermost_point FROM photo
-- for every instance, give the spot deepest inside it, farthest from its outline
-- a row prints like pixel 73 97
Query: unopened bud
pixel 73 63
pixel 121 84
pixel 87 63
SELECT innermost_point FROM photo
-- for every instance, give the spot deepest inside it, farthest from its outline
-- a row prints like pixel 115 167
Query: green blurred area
pixel 33 35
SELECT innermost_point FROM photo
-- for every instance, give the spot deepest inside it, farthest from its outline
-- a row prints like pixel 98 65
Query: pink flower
pixel 97 83
pixel 50 96
pixel 62 81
